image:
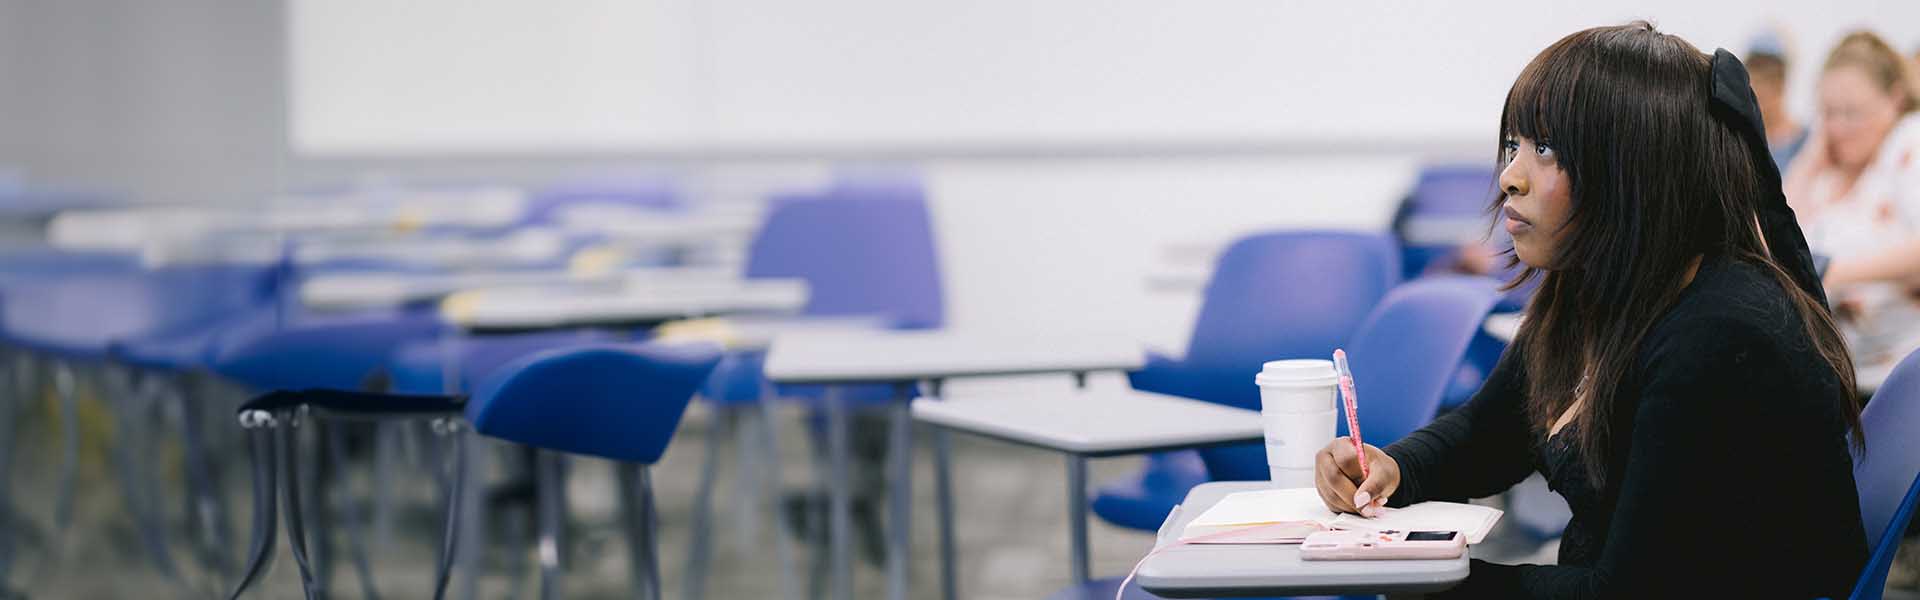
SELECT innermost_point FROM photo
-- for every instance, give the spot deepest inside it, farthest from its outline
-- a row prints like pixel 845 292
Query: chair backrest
pixel 1891 461
pixel 1892 450
pixel 1873 579
pixel 1292 294
pixel 863 250
pixel 621 402
pixel 1408 350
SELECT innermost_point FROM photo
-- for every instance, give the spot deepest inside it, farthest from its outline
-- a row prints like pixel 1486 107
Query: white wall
pixel 466 76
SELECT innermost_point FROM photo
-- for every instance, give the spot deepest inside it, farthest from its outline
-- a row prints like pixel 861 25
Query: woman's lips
pixel 1515 223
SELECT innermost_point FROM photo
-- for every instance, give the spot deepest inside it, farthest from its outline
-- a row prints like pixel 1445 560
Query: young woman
pixel 1678 379
pixel 1857 193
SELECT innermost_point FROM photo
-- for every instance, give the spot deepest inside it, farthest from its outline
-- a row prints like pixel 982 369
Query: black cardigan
pixel 1730 473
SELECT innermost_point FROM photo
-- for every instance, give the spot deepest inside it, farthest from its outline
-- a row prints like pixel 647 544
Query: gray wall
pixel 168 101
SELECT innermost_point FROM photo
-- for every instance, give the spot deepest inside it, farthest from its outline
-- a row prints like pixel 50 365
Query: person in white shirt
pixel 1856 191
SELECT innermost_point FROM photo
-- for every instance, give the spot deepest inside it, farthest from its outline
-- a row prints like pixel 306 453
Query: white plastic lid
pixel 1297 372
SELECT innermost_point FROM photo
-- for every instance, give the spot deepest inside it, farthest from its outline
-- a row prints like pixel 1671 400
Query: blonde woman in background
pixel 1856 190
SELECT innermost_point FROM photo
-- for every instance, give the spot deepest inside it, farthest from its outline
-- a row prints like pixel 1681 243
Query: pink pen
pixel 1353 408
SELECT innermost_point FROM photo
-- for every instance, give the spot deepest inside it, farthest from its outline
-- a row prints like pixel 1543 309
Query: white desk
pixel 1867 379
pixel 1206 571
pixel 333 291
pixel 1085 424
pixel 938 355
pixel 1504 326
pixel 931 357
pixel 556 307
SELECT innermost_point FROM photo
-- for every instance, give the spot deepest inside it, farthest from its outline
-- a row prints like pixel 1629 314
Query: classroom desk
pixel 338 291
pixel 1085 424
pixel 1503 326
pixel 930 357
pixel 546 307
pixel 1206 571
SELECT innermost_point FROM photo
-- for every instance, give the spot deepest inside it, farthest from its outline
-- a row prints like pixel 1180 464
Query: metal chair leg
pixel 636 500
pixel 205 504
pixel 454 490
pixel 839 497
pixel 356 516
pixel 700 555
pixel 137 488
pixel 63 385
pixel 290 495
pixel 552 522
pixel 262 437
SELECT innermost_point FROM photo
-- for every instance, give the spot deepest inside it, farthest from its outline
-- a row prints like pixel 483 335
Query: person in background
pixel 1856 191
pixel 1767 62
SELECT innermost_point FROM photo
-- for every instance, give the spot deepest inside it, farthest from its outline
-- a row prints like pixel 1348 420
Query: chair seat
pixel 1141 502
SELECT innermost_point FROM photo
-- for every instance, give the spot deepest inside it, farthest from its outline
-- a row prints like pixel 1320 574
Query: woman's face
pixel 1856 115
pixel 1538 200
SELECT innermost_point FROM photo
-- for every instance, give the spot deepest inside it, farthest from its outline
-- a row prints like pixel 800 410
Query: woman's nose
pixel 1513 183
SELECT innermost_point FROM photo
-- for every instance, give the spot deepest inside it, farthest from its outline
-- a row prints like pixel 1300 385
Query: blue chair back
pixel 1892 460
pixel 1892 450
pixel 621 402
pixel 1408 350
pixel 1287 295
pixel 864 250
pixel 1446 199
pixel 1873 580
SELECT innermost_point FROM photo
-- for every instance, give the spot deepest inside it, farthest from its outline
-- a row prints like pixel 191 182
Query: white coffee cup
pixel 1299 406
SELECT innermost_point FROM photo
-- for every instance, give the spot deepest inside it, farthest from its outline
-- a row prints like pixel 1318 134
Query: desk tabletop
pixel 1206 571
pixel 1093 423
pixel 859 357
pixel 1504 326
pixel 563 306
pixel 329 291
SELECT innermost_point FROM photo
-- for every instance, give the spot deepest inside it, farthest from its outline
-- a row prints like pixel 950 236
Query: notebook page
pixel 1471 520
pixel 1265 506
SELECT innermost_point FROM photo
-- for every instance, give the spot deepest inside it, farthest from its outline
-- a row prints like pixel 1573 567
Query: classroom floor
pixel 1011 522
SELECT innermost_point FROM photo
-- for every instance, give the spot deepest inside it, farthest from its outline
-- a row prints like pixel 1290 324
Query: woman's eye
pixel 1509 148
pixel 1543 149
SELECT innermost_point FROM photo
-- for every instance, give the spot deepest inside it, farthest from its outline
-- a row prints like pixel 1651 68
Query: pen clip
pixel 1340 363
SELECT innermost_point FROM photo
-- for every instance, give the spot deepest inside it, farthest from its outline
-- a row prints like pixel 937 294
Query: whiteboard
pixel 435 77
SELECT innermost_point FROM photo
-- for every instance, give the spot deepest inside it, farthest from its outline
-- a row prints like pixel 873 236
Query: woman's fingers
pixel 1335 478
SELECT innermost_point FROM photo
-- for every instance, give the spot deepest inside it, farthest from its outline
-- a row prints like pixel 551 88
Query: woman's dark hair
pixel 1656 179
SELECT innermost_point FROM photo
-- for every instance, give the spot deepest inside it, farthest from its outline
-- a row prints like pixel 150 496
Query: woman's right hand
pixel 1337 477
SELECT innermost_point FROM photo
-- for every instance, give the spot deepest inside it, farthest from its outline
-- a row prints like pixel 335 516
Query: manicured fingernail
pixel 1362 498
pixel 1370 511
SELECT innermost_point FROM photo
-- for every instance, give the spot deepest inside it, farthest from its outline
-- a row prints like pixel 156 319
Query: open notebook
pixel 1286 516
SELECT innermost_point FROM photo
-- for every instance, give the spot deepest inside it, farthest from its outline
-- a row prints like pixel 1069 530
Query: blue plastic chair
pixel 1892 460
pixel 1406 353
pixel 1274 295
pixel 1447 201
pixel 621 403
pixel 73 309
pixel 866 248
